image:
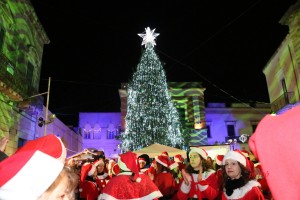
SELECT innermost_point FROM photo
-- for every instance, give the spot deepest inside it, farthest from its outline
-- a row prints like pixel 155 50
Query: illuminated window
pixel 110 135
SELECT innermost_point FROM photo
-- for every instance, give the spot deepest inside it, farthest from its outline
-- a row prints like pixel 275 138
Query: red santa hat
pixel 141 160
pixel 219 159
pixel 173 165
pixel 87 169
pixel 98 162
pixel 115 169
pixel 128 162
pixel 32 169
pixel 200 151
pixel 279 136
pixel 164 154
pixel 238 156
pixel 163 160
pixel 178 158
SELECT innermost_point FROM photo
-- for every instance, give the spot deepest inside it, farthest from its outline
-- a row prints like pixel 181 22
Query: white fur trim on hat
pixel 122 165
pixel 92 170
pixel 235 156
pixel 33 179
pixel 173 165
pixel 200 151
pixel 98 162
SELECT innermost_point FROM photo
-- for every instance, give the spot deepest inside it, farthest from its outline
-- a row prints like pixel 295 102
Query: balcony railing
pixel 285 99
pixel 12 77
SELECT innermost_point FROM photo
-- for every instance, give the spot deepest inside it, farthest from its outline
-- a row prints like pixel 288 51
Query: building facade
pixel 100 131
pixel 22 39
pixel 283 69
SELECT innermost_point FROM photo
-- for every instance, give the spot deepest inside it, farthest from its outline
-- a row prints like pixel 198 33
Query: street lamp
pixel 47 107
pixel 41 120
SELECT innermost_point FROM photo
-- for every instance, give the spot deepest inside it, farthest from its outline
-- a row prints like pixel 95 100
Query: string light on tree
pixel 151 116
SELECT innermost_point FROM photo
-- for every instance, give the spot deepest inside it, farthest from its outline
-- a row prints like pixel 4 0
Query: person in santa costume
pixel 275 143
pixel 129 183
pixel 88 187
pixel 163 178
pixel 219 174
pixel 260 177
pixel 199 181
pixel 152 170
pixel 36 171
pixel 102 177
pixel 180 160
pixel 142 164
pixel 239 184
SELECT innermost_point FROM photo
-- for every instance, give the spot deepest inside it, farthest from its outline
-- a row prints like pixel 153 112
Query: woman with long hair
pixel 239 184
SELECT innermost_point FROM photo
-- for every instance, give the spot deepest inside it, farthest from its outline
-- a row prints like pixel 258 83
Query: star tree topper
pixel 149 37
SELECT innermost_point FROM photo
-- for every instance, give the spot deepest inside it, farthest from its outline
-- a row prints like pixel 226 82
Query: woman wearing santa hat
pixel 88 187
pixel 219 174
pixel 163 179
pixel 129 183
pixel 200 181
pixel 102 177
pixel 239 184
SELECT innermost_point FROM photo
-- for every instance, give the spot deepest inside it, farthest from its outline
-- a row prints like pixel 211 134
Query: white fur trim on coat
pixel 242 191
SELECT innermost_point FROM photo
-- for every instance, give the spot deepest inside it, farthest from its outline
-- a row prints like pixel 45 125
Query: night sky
pixel 94 47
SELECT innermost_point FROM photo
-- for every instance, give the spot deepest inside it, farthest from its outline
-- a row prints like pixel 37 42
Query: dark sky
pixel 95 47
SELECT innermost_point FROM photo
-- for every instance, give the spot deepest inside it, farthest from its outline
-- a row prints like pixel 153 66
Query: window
pixel 230 130
pixel 110 135
pixel 29 75
pixel 21 142
pixel 2 34
pixel 208 131
pixel 254 127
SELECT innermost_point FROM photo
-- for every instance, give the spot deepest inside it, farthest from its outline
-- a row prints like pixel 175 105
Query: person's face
pixel 232 168
pixel 100 168
pixel 195 160
pixel 209 160
pixel 142 164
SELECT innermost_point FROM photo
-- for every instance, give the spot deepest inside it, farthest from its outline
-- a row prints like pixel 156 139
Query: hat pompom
pixel 138 179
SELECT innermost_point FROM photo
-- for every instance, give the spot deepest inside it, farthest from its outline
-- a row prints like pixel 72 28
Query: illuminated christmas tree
pixel 151 116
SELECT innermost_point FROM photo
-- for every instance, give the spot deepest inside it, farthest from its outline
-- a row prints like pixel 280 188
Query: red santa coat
pixel 219 175
pixel 250 191
pixel 165 183
pixel 206 188
pixel 122 187
pixel 102 180
pixel 88 190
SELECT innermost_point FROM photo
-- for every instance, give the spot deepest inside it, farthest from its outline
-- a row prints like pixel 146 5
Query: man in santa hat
pixel 129 183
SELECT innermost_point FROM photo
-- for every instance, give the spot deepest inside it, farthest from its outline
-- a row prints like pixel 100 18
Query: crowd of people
pixel 40 171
